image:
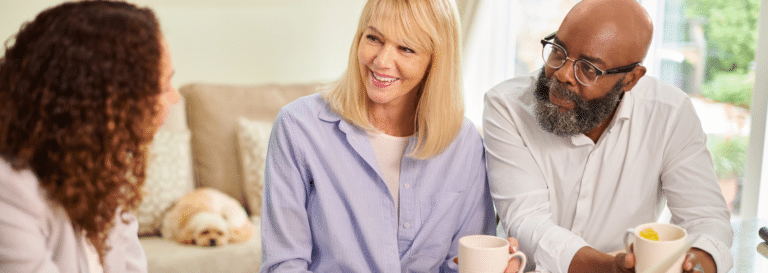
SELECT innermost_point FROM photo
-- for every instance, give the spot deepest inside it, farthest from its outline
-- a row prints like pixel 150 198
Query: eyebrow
pixel 399 42
pixel 375 30
pixel 581 56
pixel 560 43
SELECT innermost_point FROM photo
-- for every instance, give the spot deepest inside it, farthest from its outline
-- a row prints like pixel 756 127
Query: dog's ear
pixel 187 236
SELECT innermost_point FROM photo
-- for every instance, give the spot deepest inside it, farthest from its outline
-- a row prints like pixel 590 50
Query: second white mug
pixel 486 254
pixel 648 253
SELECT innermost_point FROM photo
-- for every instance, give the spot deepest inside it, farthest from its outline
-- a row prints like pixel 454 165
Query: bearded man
pixel 592 147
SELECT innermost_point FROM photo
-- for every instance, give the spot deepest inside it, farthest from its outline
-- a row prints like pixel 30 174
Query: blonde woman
pixel 381 173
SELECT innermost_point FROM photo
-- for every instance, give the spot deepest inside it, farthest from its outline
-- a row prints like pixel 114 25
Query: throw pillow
pixel 252 140
pixel 169 176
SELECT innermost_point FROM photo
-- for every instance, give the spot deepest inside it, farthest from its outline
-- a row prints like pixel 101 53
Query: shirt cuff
pixel 721 254
pixel 556 256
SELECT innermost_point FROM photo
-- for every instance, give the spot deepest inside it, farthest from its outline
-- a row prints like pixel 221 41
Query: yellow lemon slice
pixel 649 234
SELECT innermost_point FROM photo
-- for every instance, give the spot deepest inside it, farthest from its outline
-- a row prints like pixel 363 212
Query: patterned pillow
pixel 169 176
pixel 252 141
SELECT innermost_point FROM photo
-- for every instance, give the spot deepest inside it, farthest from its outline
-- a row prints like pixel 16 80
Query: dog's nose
pixel 213 242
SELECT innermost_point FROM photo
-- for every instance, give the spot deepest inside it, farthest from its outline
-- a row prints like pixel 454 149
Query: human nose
pixel 385 57
pixel 566 72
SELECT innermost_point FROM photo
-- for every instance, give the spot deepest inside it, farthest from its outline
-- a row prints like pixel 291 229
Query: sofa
pixel 216 136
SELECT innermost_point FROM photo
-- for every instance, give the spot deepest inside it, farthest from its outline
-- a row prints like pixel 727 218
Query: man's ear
pixel 632 77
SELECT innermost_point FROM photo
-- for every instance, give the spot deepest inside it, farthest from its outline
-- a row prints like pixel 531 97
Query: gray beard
pixel 585 115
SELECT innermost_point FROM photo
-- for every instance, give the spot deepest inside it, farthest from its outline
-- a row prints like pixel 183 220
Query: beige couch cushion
pixel 252 142
pixel 170 257
pixel 212 113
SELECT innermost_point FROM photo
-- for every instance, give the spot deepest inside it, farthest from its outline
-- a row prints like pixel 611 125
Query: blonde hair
pixel 430 25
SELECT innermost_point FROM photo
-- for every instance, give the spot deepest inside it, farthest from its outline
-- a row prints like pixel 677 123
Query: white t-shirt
pixel 557 195
pixel 389 151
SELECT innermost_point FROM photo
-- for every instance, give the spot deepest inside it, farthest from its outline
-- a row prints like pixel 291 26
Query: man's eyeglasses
pixel 586 73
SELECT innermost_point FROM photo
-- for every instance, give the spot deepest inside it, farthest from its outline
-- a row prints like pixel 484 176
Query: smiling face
pixel 392 70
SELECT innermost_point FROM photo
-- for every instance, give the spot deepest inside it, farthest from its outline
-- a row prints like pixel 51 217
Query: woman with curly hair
pixel 83 88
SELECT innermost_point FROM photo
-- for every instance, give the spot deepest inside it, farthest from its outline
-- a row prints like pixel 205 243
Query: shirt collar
pixel 623 113
pixel 624 110
pixel 326 114
pixel 355 136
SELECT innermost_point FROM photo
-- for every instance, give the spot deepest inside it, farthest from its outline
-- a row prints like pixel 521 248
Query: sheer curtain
pixel 487 51
pixel 502 41
pixel 467 12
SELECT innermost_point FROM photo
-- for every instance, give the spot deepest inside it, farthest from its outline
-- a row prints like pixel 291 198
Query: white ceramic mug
pixel 648 253
pixel 486 254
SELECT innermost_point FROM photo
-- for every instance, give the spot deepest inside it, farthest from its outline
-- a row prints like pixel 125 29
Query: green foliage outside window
pixel 728 155
pixel 730 29
pixel 734 88
pixel 731 32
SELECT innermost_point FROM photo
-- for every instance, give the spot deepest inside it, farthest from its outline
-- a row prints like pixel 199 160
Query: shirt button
pixel 407 186
pixel 406 225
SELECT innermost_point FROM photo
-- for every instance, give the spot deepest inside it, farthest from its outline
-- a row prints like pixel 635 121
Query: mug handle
pixel 523 260
pixel 629 232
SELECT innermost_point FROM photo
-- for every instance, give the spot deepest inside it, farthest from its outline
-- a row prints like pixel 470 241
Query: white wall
pixel 239 41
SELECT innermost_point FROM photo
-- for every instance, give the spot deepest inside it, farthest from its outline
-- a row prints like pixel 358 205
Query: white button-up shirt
pixel 557 195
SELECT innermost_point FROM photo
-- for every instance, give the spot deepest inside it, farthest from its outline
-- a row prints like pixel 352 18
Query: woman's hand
pixel 514 263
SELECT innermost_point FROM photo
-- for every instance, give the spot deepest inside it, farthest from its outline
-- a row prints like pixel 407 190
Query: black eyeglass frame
pixel 600 72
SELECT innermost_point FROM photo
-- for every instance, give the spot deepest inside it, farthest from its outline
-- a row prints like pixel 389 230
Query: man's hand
pixel 588 259
pixel 514 264
pixel 695 261
pixel 624 262
pixel 698 260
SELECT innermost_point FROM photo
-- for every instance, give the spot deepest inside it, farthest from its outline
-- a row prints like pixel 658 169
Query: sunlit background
pixel 707 48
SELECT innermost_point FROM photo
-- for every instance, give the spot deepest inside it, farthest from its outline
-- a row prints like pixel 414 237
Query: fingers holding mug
pixel 512 244
pixel 514 263
pixel 517 262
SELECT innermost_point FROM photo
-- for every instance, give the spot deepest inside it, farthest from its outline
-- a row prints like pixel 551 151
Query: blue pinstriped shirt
pixel 326 207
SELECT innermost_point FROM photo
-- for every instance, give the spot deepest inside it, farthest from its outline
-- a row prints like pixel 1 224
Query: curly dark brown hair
pixel 79 89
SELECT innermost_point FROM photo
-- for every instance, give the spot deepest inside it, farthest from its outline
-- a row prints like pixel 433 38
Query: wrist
pixel 588 259
pixel 704 259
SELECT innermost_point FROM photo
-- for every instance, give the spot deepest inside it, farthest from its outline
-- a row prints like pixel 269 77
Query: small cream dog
pixel 207 217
